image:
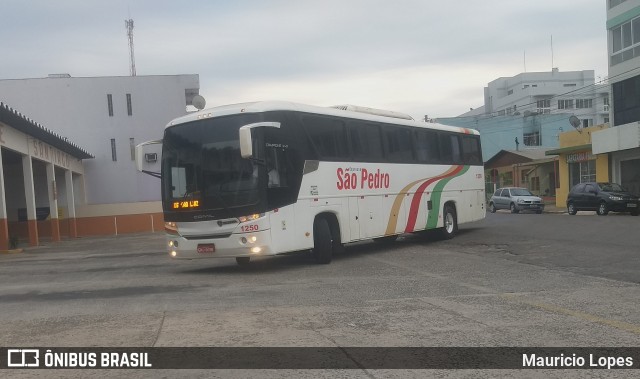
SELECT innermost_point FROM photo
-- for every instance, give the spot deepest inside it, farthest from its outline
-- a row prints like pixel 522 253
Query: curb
pixel 13 251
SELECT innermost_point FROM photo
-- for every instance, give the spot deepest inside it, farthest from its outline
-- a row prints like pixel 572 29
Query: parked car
pixel 516 199
pixel 602 198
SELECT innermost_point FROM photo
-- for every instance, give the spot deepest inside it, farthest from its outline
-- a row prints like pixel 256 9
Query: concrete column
pixel 71 204
pixel 30 197
pixel 4 226
pixel 53 202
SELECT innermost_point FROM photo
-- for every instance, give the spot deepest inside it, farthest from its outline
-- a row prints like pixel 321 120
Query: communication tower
pixel 132 60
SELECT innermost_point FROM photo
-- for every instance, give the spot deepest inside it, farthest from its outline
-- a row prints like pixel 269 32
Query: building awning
pixel 569 149
pixel 20 122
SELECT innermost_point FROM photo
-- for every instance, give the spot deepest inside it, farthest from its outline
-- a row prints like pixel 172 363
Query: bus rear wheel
pixel 322 242
pixel 450 220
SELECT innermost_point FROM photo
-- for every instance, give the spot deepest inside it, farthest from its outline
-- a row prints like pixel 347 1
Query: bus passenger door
pixel 370 216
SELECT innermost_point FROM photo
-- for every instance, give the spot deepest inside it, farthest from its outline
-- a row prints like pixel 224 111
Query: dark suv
pixel 602 198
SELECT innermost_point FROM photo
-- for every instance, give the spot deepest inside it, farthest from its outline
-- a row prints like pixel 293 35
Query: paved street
pixel 510 280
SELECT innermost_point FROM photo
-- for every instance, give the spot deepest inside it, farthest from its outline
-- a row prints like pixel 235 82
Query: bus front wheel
pixel 322 242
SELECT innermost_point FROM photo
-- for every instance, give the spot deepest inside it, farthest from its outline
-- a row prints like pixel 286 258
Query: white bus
pixel 268 178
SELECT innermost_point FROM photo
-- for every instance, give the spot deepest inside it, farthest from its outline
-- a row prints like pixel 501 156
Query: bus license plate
pixel 206 249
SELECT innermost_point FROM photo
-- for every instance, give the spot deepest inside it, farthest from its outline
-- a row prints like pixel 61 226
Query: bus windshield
pixel 202 167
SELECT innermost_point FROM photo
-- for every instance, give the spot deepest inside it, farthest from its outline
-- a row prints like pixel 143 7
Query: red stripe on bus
pixel 415 202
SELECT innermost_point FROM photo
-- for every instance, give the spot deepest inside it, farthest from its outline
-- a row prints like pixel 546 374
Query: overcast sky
pixel 418 57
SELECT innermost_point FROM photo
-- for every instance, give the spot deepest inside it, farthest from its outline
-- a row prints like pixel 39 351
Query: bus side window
pixel 456 151
pixel 446 154
pixel 471 150
pixel 366 141
pixel 426 143
pixel 397 143
pixel 328 137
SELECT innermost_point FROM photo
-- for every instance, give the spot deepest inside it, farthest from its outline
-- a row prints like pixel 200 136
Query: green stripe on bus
pixel 432 216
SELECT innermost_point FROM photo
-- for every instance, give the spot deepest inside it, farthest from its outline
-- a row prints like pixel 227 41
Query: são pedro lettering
pixel 361 178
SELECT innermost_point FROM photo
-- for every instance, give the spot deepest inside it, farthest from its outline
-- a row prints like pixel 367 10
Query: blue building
pixel 531 130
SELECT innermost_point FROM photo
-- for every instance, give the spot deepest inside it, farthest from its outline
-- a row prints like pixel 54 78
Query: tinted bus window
pixel 446 155
pixel 328 136
pixel 471 150
pixel 427 150
pixel 366 143
pixel 456 150
pixel 397 144
pixel 450 152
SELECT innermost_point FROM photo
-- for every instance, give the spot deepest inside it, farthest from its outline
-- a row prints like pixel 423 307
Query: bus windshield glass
pixel 202 167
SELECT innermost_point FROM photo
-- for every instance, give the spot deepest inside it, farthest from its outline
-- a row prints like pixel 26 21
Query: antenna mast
pixel 132 60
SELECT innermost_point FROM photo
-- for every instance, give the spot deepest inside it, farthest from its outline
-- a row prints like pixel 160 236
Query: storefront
pixel 577 163
pixel 622 143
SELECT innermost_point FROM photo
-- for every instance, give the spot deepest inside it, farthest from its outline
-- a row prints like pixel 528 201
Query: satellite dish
pixel 199 102
pixel 576 123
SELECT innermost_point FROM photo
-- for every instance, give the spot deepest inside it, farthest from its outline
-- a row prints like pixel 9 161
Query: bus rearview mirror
pixel 246 143
pixel 146 157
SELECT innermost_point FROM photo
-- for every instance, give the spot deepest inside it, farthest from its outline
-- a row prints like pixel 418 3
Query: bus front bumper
pixel 236 245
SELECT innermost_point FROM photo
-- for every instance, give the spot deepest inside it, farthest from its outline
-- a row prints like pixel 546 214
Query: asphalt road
pixel 510 280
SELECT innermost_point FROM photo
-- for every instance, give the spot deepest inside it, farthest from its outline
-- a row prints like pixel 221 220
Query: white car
pixel 515 199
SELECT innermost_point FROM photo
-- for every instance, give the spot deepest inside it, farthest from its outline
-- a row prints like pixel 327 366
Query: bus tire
pixel 450 220
pixel 243 261
pixel 322 241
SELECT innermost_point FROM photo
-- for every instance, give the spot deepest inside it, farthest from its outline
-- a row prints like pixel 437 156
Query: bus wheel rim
pixel 448 222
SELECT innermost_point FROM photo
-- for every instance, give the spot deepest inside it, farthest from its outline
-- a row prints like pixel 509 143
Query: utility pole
pixel 132 60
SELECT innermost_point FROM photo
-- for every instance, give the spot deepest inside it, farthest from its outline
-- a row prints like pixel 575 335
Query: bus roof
pixel 267 106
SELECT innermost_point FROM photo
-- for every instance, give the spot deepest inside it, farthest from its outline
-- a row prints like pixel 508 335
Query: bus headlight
pixel 250 217
pixel 171 228
pixel 250 239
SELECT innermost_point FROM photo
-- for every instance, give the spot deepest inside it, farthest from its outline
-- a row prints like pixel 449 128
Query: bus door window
pixel 276 166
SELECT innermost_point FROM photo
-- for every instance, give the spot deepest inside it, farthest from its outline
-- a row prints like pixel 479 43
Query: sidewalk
pixel 551 208
pixel 550 205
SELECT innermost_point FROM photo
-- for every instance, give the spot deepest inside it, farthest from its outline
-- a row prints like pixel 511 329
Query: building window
pixel 544 106
pixel 531 139
pixel 626 101
pixel 587 122
pixel 535 184
pixel 569 85
pixel 615 3
pixel 623 40
pixel 584 103
pixel 565 104
pixel 114 157
pixel 510 92
pixel 580 172
pixel 132 146
pixel 129 108
pixel 110 104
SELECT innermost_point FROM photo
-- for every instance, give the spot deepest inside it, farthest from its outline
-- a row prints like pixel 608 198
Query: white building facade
pixel 108 116
pixel 571 92
pixel 622 141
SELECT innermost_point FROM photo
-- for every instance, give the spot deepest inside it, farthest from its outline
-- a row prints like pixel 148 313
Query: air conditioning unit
pixel 151 157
